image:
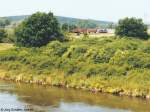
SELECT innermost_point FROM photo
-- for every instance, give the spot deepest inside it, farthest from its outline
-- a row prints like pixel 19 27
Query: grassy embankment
pixel 106 64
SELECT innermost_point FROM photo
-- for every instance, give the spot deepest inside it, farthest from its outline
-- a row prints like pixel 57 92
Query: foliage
pixel 106 64
pixel 68 27
pixel 86 24
pixel 37 30
pixel 132 27
pixel 10 35
pixel 4 22
pixel 3 34
pixel 70 21
pixel 65 27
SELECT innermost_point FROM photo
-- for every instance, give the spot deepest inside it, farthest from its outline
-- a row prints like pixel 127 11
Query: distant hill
pixel 17 18
pixel 77 21
pixel 68 20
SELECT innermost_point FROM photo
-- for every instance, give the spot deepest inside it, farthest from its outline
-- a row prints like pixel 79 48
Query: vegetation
pixel 5 46
pixel 106 64
pixel 132 27
pixel 68 27
pixel 3 35
pixel 71 21
pixel 4 22
pixel 37 30
pixel 6 35
pixel 87 24
pixel 10 35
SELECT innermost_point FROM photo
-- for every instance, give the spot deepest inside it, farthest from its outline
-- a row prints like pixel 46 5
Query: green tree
pixel 111 26
pixel 86 24
pixel 65 27
pixel 4 22
pixel 68 27
pixel 3 34
pixel 71 27
pixel 132 27
pixel 38 30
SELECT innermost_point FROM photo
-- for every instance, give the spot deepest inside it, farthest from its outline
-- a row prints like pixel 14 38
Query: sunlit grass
pixel 149 31
pixel 93 35
pixel 5 46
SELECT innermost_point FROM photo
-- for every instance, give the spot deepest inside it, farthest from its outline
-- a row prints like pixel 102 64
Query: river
pixel 16 97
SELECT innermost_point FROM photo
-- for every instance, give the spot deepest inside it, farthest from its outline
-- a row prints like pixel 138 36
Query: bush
pixel 38 30
pixel 132 27
pixel 3 35
pixel 68 27
pixel 65 27
pixel 10 36
pixel 4 22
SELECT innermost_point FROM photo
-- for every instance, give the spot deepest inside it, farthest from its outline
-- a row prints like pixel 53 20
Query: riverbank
pixel 108 64
pixel 118 87
pixel 41 96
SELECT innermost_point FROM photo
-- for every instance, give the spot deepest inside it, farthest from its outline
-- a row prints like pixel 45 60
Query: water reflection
pixel 81 107
pixel 66 100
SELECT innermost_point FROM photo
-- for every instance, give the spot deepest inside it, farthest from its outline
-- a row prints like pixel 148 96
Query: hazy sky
pixel 110 10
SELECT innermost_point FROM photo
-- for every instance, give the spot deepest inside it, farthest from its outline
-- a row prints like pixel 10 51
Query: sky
pixel 108 10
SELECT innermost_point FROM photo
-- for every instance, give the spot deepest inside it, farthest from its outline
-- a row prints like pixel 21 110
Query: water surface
pixel 34 98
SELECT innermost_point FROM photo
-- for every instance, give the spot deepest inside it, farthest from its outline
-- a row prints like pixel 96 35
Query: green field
pixel 105 64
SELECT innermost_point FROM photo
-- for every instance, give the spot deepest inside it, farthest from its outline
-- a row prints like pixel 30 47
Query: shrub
pixel 3 34
pixel 4 22
pixel 132 27
pixel 65 27
pixel 10 35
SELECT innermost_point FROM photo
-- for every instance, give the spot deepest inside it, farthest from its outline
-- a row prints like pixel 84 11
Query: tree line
pixel 41 28
pixel 4 22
